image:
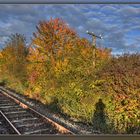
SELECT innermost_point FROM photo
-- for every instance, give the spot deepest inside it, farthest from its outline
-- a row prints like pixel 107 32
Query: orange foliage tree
pixel 54 37
pixel 52 41
pixel 59 59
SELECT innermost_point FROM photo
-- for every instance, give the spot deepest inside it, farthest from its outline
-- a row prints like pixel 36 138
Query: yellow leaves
pixel 103 53
pixel 78 91
pixel 53 34
pixel 52 40
pixel 36 57
pixel 72 85
pixel 65 62
pixel 60 53
pixel 69 48
pixel 86 52
pixel 61 66
pixel 28 92
pixel 1 56
pixel 37 89
pixel 96 84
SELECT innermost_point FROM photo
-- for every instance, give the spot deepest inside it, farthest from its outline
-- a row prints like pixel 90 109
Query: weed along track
pixel 17 118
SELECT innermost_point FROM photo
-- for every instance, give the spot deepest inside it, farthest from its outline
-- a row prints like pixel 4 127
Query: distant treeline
pixel 57 69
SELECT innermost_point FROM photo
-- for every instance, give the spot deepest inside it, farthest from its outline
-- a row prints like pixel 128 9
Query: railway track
pixel 17 118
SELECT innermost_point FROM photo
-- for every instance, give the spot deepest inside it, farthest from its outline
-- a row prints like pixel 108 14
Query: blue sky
pixel 119 24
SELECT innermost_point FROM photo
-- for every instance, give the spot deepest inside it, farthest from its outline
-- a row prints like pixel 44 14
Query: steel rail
pixel 59 127
pixel 7 120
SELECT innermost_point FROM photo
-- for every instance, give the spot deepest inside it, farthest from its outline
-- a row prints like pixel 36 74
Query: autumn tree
pixel 53 38
pixel 14 56
pixel 60 64
pixel 52 43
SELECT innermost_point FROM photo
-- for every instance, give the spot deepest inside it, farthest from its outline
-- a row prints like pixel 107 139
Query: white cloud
pixel 113 21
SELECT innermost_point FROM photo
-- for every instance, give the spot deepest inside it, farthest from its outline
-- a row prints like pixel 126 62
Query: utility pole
pixel 94 46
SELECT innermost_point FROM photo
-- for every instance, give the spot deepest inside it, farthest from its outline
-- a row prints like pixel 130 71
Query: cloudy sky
pixel 118 24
